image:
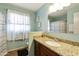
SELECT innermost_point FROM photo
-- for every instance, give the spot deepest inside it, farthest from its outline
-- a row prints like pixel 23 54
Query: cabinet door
pixel 37 49
pixel 41 50
pixel 44 51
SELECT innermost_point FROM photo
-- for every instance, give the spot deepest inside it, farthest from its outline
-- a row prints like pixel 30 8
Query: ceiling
pixel 63 11
pixel 30 6
pixel 58 13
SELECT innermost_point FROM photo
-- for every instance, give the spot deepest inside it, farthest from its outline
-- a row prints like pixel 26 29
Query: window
pixel 57 26
pixel 18 26
pixel 18 22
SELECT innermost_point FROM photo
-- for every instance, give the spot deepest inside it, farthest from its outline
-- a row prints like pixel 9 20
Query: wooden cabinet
pixel 41 50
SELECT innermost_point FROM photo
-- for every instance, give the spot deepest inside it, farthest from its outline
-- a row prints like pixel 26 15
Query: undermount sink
pixel 52 43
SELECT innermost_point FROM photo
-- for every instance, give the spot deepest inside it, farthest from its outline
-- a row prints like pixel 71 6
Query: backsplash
pixel 66 36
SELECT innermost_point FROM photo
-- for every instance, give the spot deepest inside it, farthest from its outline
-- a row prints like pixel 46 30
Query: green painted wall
pixel 42 13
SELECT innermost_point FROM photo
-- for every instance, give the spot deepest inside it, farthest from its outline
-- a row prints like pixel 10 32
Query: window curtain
pixel 18 26
pixel 3 36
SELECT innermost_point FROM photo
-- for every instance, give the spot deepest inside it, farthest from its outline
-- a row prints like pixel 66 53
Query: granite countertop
pixel 65 49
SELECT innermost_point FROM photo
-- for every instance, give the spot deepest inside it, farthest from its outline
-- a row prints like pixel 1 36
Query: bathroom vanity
pixel 53 46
